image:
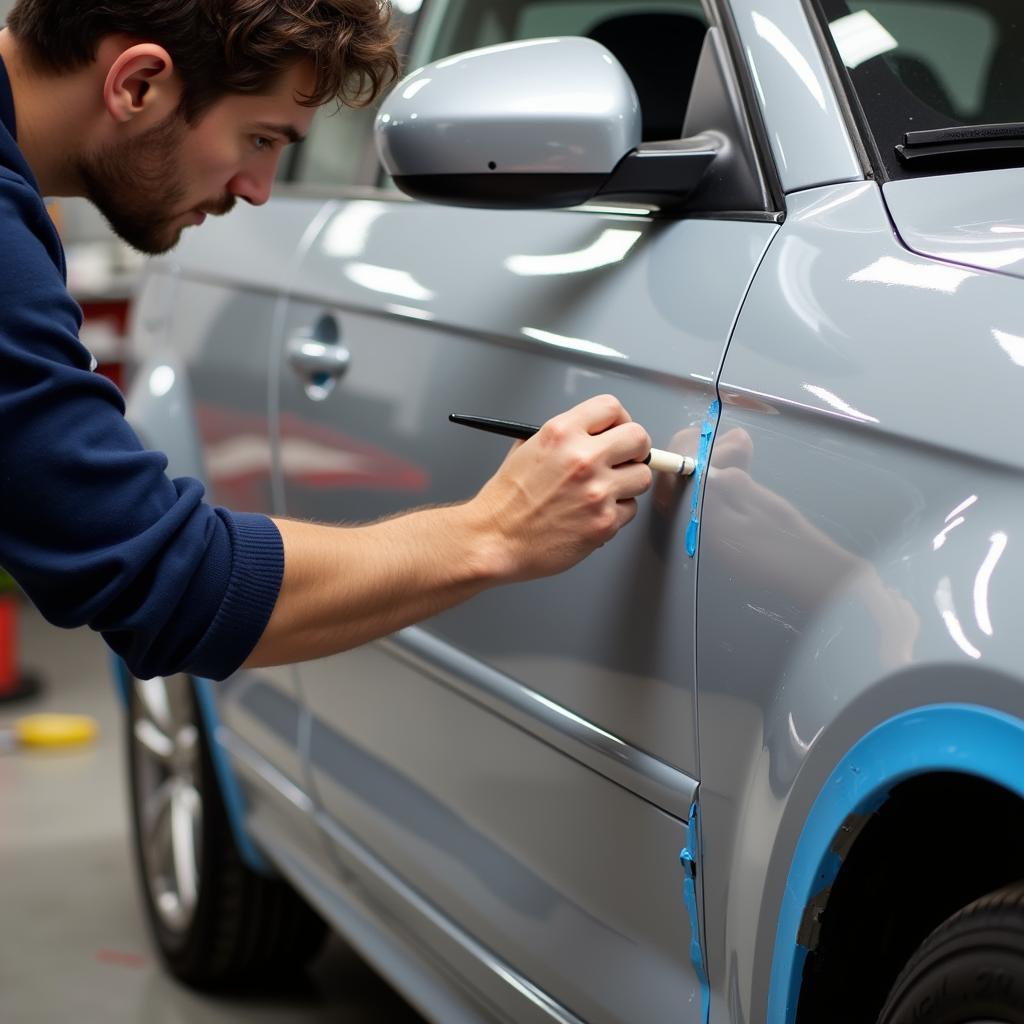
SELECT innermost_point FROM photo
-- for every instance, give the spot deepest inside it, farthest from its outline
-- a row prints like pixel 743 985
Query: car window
pixel 335 152
pixel 928 64
pixel 339 149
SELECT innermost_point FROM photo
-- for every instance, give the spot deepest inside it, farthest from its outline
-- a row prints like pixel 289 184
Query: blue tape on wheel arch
pixel 937 738
pixel 707 432
pixel 230 790
pixel 688 858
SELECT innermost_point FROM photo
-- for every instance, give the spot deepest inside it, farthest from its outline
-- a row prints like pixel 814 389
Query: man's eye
pixel 262 142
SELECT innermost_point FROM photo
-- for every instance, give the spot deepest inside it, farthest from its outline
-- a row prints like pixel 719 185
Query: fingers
pixel 596 415
pixel 628 442
pixel 626 512
pixel 604 418
pixel 620 507
pixel 566 492
pixel 608 459
pixel 631 480
pixel 607 522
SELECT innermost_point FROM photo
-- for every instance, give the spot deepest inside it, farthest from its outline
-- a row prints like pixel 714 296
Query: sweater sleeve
pixel 91 527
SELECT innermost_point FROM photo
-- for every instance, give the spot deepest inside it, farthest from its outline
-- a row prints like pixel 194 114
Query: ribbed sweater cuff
pixel 257 570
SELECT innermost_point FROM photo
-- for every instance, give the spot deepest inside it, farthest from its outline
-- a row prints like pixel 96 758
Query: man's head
pixel 199 97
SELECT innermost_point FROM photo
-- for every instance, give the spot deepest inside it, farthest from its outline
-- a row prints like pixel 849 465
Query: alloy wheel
pixel 169 807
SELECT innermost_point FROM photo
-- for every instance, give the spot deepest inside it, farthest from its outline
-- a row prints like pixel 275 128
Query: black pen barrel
pixel 506 428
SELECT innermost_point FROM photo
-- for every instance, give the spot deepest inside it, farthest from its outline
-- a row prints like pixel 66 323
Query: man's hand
pixel 566 491
pixel 555 499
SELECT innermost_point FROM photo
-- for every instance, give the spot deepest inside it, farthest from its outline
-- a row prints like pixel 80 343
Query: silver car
pixel 761 758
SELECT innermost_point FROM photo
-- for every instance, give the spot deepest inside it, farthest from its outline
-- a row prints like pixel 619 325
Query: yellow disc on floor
pixel 56 730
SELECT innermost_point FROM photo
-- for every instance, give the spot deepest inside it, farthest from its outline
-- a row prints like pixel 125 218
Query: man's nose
pixel 253 187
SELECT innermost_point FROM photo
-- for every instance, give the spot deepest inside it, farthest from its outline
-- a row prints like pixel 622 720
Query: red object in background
pixel 10 681
pixel 15 685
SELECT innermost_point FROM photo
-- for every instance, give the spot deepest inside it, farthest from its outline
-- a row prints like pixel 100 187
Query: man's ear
pixel 141 81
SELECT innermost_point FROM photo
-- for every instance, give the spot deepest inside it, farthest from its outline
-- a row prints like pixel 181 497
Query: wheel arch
pixel 913 745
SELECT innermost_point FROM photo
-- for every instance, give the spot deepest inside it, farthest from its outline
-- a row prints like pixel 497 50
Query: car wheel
pixel 215 922
pixel 970 970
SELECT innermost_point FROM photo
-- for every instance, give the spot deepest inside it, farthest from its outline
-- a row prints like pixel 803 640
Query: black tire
pixel 236 929
pixel 970 969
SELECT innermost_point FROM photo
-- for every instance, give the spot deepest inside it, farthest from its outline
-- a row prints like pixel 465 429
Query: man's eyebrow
pixel 290 133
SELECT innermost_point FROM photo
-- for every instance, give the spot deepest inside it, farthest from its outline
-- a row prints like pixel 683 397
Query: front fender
pixel 859 556
pixel 937 738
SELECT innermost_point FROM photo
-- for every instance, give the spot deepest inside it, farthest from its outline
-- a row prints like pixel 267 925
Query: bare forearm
pixel 344 586
pixel 554 500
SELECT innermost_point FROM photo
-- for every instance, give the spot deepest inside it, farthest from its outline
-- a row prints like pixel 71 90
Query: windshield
pixel 917 65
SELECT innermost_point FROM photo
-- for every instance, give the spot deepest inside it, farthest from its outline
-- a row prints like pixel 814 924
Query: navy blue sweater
pixel 90 525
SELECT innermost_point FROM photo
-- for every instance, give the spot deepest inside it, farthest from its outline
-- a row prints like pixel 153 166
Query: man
pixel 162 112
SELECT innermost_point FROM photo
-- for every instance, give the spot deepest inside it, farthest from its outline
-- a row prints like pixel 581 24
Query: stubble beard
pixel 139 187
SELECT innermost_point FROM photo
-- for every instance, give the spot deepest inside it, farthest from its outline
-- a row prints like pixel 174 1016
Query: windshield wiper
pixel 966 146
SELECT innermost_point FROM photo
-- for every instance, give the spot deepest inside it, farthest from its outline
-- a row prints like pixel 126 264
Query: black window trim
pixel 719 13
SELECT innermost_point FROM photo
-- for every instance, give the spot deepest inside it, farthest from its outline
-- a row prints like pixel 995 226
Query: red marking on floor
pixel 117 958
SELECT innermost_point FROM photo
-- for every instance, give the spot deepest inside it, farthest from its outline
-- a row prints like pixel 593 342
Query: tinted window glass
pixel 336 151
pixel 924 64
pixel 339 149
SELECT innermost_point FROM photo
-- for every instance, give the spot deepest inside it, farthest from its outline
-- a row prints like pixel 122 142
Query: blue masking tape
pixel 707 432
pixel 688 857
pixel 230 789
pixel 963 738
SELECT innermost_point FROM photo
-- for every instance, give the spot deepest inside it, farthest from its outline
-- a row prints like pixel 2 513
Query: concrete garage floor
pixel 73 944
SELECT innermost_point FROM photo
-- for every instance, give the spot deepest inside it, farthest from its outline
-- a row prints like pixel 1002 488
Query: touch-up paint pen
pixel 658 459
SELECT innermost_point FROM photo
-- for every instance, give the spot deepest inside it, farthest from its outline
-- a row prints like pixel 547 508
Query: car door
pixel 521 766
pixel 204 337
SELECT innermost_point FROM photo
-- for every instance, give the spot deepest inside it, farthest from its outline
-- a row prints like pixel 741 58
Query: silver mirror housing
pixel 531 124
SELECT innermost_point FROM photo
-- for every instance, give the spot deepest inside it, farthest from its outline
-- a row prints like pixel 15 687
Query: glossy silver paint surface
pixel 604 753
pixel 531 313
pixel 808 136
pixel 858 553
pixel 500 795
pixel 974 218
pixel 575 111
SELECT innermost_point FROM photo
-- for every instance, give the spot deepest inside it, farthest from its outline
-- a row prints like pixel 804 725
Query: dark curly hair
pixel 221 47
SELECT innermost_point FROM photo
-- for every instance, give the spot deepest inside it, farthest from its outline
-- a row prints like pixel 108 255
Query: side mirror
pixel 535 124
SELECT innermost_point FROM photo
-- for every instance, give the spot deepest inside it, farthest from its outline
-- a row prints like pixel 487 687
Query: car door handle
pixel 319 357
pixel 313 358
